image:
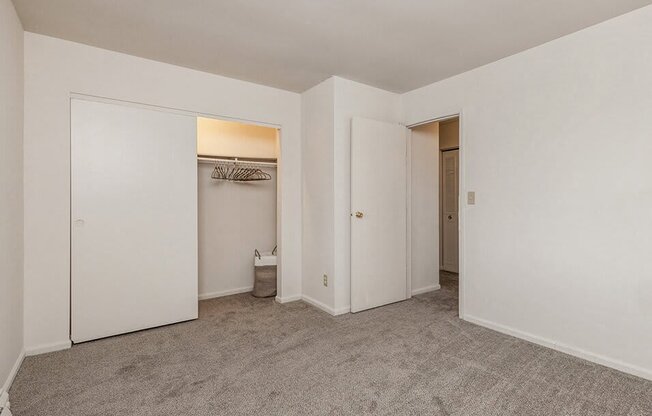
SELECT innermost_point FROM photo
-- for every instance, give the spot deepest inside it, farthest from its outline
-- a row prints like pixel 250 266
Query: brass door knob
pixel 359 214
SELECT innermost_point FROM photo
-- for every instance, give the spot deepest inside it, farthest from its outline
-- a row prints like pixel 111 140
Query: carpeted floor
pixel 247 356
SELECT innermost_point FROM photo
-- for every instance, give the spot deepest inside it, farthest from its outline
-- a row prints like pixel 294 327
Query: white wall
pixel 234 220
pixel 11 193
pixel 317 147
pixel 352 99
pixel 556 142
pixel 56 68
pixel 424 167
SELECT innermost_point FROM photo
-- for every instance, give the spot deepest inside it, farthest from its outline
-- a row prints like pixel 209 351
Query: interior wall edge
pixel 317 192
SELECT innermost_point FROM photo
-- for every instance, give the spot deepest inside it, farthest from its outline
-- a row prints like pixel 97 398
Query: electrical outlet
pixel 325 280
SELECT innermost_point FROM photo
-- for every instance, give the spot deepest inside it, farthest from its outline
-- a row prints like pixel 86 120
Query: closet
pixel 167 208
pixel 237 187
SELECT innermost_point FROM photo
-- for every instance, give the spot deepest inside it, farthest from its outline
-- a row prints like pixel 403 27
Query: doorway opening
pixel 237 208
pixel 434 225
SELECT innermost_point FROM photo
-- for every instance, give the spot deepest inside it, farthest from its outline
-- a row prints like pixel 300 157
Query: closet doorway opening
pixel 237 194
pixel 434 224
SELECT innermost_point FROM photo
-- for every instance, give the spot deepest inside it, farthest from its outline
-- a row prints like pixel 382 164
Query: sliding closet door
pixel 134 219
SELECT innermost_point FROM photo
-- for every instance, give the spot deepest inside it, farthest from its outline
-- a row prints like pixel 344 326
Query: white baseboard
pixel 211 295
pixel 343 310
pixel 426 289
pixel 288 299
pixel 317 304
pixel 12 374
pixel 567 349
pixel 42 349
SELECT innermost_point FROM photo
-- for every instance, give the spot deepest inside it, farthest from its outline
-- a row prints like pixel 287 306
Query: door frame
pixel 461 200
pixel 279 164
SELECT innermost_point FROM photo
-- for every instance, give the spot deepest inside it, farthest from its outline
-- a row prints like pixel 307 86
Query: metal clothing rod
pixel 239 161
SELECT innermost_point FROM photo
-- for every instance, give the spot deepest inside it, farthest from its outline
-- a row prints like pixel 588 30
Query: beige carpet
pixel 247 356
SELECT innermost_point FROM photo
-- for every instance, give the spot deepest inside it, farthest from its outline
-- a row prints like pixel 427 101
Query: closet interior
pixel 237 192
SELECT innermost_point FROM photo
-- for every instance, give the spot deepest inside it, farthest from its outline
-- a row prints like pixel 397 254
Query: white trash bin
pixel 264 274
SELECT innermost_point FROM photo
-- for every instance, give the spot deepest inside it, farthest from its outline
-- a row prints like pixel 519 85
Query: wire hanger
pixel 225 172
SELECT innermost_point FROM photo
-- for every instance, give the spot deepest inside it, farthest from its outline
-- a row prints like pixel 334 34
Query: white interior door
pixel 450 207
pixel 134 219
pixel 379 217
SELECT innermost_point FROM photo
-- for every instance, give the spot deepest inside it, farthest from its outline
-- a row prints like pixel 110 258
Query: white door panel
pixel 134 219
pixel 379 194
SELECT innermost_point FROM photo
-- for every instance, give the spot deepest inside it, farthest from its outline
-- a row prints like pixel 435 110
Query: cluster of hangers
pixel 238 174
pixel 237 170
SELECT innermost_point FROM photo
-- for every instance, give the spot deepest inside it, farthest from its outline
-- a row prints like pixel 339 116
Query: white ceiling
pixel 397 45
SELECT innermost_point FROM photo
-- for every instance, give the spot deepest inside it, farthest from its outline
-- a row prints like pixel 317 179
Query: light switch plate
pixel 471 198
